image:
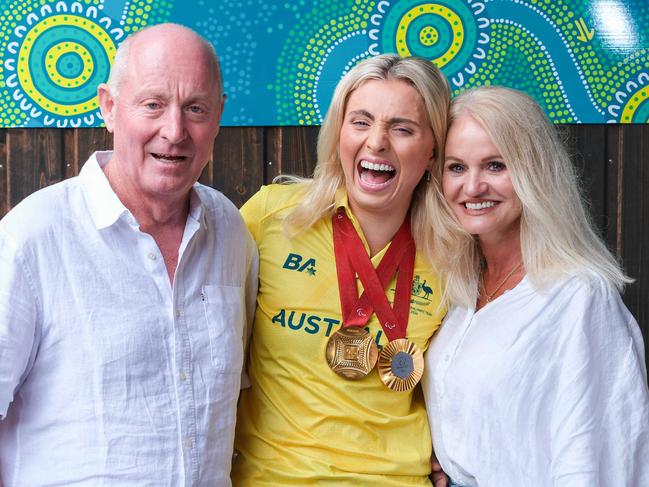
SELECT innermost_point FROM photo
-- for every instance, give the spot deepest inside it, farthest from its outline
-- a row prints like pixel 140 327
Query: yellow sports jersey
pixel 300 423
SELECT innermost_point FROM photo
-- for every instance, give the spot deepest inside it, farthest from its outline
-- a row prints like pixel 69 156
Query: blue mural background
pixel 585 61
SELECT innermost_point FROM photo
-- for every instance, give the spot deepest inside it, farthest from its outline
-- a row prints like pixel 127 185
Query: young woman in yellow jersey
pixel 347 300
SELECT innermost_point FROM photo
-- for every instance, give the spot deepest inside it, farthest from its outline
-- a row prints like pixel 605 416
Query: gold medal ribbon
pixel 351 258
pixel 350 354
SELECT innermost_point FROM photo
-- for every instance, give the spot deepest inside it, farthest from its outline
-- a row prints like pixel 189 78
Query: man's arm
pixel 18 317
pixel 252 283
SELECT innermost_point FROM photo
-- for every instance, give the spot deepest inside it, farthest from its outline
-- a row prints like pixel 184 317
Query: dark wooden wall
pixel 613 159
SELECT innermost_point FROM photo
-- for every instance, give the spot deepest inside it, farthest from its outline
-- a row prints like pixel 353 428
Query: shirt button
pixel 178 313
pixel 151 256
pixel 182 376
pixel 188 442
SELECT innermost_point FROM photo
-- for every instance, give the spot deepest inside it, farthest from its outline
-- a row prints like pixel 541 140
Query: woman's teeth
pixel 479 206
pixel 376 167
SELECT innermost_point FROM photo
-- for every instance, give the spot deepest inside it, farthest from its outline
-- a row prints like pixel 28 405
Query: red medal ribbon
pixel 352 258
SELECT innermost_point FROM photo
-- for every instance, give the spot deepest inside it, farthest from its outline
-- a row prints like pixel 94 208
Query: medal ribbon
pixel 351 258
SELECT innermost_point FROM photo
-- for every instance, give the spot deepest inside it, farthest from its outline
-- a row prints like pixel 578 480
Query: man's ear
pixel 106 105
pixel 221 107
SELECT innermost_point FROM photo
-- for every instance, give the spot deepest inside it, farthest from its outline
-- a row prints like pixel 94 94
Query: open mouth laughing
pixel 375 174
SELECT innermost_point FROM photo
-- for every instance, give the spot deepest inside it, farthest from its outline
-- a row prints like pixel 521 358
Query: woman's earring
pixel 427 176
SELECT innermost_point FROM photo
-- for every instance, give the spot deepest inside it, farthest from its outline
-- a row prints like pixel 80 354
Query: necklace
pixel 490 295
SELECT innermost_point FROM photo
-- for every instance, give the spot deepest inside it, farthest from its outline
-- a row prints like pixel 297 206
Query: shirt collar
pixel 341 199
pixel 196 204
pixel 104 205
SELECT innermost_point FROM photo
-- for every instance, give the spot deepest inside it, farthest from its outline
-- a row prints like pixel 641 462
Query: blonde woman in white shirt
pixel 537 377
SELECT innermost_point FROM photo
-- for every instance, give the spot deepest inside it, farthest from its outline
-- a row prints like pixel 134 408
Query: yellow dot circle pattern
pixel 452 18
pixel 428 36
pixel 53 55
pixel 634 102
pixel 23 60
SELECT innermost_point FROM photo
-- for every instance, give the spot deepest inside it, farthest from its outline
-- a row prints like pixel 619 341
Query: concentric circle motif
pixel 452 34
pixel 55 61
pixel 631 102
pixel 429 36
pixel 68 65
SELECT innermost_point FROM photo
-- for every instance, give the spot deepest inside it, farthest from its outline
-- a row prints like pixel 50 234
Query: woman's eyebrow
pixel 391 121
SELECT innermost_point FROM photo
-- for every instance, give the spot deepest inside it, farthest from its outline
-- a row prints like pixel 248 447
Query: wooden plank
pixel 23 175
pixel 48 152
pixel 587 148
pixel 290 150
pixel 614 187
pixel 237 167
pixel 35 161
pixel 79 144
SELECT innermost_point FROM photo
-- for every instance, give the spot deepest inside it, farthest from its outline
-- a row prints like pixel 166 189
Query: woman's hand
pixel 439 478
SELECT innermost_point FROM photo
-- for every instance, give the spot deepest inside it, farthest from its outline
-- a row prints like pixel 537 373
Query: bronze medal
pixel 351 352
pixel 401 365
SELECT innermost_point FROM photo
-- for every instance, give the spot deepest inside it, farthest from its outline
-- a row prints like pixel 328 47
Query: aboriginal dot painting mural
pixel 585 61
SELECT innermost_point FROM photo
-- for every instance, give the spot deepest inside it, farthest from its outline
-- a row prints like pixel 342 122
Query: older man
pixel 124 292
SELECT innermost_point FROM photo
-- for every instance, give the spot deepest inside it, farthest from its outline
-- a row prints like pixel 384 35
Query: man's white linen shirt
pixel 108 374
pixel 541 388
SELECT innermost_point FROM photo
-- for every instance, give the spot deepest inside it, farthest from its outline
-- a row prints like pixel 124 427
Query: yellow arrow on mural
pixel 585 34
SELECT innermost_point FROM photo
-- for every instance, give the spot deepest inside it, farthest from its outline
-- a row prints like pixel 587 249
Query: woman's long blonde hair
pixel 328 177
pixel 557 235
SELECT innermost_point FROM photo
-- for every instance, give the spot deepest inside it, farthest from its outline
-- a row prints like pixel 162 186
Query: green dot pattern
pixel 141 13
pixel 304 51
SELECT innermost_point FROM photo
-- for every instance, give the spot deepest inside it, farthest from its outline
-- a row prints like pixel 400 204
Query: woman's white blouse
pixel 541 388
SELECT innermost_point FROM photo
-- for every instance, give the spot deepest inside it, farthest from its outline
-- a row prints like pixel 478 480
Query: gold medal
pixel 401 365
pixel 351 352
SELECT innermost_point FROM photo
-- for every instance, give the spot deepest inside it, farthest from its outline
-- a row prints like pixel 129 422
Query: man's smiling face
pixel 165 115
